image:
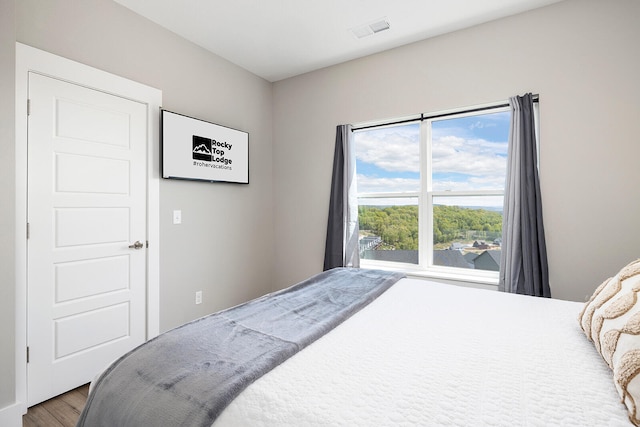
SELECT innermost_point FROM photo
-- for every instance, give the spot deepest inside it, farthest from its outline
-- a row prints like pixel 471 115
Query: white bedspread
pixel 429 354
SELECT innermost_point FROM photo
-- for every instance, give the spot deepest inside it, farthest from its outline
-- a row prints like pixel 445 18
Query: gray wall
pixel 7 195
pixel 223 246
pixel 581 56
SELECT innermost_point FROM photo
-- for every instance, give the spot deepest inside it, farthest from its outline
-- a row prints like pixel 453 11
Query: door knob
pixel 136 245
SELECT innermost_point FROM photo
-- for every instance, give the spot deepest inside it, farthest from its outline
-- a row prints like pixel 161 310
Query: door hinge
pixel 28 231
pixel 28 107
pixel 27 354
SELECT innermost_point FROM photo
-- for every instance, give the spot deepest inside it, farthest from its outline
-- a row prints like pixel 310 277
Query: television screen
pixel 199 150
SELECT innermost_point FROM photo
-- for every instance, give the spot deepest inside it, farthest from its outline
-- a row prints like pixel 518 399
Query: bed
pixel 412 352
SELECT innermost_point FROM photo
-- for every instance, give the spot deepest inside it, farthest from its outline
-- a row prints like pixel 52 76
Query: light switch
pixel 177 217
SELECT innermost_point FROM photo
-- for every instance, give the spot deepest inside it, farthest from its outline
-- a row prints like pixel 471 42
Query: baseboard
pixel 11 416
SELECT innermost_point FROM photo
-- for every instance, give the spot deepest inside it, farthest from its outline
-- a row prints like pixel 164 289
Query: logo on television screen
pixel 201 148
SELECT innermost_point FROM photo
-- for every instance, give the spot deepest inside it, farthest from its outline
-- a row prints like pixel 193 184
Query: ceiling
pixel 276 39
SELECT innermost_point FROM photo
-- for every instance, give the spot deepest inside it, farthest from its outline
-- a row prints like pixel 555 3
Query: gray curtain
pixel 341 247
pixel 523 265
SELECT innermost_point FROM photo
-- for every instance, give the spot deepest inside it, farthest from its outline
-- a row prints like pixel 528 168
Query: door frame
pixel 30 59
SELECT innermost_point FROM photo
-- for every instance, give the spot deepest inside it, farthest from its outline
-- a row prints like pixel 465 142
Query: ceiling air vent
pixel 371 28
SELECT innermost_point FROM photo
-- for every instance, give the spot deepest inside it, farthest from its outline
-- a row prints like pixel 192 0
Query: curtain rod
pixel 422 117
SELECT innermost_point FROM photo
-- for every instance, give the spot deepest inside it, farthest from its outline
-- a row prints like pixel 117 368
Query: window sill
pixel 455 278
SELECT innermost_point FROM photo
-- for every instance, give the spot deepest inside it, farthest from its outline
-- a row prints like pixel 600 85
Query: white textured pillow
pixel 602 294
pixel 611 319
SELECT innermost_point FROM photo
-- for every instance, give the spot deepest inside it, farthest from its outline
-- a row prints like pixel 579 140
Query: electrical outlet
pixel 199 297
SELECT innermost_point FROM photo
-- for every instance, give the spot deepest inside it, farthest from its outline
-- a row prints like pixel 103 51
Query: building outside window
pixel 430 193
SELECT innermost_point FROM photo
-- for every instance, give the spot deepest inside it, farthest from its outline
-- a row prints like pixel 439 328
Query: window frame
pixel 425 196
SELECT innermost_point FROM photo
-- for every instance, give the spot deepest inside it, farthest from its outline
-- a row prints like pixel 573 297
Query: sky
pixel 469 153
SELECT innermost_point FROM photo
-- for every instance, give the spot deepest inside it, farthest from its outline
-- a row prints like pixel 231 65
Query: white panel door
pixel 86 208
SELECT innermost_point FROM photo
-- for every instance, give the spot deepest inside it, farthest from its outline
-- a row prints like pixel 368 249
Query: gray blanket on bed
pixel 187 376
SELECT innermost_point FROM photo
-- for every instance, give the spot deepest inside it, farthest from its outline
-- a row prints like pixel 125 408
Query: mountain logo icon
pixel 201 148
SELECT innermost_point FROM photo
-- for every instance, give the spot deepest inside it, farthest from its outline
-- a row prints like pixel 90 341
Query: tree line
pixel 397 226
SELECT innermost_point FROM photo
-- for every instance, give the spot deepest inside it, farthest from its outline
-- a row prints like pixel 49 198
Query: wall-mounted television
pixel 195 149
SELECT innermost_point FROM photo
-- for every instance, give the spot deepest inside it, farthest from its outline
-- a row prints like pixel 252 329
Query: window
pixel 430 193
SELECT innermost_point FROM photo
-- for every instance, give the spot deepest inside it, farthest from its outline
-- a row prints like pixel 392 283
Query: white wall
pixel 7 195
pixel 579 55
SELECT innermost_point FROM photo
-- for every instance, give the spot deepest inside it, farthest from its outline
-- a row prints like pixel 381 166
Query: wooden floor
pixel 61 411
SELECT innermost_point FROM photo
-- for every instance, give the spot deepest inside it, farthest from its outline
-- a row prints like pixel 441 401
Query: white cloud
pixel 481 125
pixel 393 150
pixel 458 163
pixel 370 184
pixel 478 157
